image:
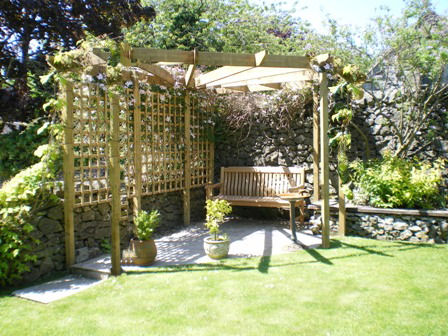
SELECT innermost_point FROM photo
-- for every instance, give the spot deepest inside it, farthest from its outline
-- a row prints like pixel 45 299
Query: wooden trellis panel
pixel 90 136
pixel 139 142
pixel 202 149
pixel 160 141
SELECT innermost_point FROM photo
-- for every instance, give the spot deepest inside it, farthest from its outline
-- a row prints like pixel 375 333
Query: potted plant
pixel 216 246
pixel 143 247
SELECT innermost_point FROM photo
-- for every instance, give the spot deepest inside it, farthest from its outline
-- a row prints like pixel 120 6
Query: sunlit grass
pixel 358 287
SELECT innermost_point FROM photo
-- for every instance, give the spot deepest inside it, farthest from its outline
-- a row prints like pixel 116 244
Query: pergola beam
pixel 158 72
pixel 248 88
pixel 301 75
pixel 242 75
pixel 260 57
pixel 218 74
pixel 147 55
pixel 189 75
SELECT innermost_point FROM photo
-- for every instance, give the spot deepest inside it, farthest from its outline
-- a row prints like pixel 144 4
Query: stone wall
pixel 92 229
pixel 406 228
pixel 392 224
pixel 265 141
pixel 262 143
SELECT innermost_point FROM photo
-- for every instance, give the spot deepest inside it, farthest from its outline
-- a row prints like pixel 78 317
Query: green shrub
pixel 393 182
pixel 145 224
pixel 18 147
pixel 216 210
pixel 21 199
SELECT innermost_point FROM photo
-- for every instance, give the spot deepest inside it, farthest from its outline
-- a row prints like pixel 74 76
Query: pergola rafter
pixel 236 73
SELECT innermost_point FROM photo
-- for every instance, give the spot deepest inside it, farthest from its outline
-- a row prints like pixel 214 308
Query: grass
pixel 358 287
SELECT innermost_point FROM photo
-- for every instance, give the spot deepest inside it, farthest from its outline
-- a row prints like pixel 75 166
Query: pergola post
pixel 68 167
pixel 316 191
pixel 137 200
pixel 342 212
pixel 114 182
pixel 187 167
pixel 325 171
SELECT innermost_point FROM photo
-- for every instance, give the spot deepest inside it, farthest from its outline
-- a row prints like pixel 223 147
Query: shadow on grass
pixel 363 248
pixel 263 265
pixel 366 249
pixel 265 262
pixel 319 257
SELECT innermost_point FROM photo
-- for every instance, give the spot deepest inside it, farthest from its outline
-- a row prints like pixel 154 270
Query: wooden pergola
pixel 235 73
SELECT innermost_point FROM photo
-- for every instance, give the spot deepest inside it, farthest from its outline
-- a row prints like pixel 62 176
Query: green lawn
pixel 358 287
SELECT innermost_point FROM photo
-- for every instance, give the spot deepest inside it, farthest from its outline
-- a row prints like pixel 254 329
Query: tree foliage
pixel 33 28
pixel 213 25
pixel 412 61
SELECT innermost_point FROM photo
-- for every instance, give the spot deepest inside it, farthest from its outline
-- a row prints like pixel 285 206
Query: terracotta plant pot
pixel 145 252
pixel 216 249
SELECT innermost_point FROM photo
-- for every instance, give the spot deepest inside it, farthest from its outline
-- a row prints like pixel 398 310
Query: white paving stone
pixel 56 289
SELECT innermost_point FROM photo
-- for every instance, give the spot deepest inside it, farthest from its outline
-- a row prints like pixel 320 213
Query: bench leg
pixel 292 220
pixel 302 213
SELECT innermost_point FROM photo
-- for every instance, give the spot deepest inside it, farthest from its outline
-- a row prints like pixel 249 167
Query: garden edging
pixel 430 226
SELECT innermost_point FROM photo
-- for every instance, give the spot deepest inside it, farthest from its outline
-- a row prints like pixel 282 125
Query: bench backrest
pixel 260 181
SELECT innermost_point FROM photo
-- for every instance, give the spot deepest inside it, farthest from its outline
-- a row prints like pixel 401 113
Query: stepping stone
pixel 56 289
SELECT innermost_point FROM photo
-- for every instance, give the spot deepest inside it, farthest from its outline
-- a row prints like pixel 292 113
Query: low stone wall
pixel 92 229
pixel 391 224
pixel 406 228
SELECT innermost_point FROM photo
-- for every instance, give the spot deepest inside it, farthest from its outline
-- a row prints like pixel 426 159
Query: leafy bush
pixel 393 182
pixel 216 210
pixel 145 224
pixel 22 198
pixel 18 147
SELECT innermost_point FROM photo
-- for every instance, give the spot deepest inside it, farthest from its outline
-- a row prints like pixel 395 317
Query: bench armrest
pixel 209 189
pixel 213 186
pixel 301 190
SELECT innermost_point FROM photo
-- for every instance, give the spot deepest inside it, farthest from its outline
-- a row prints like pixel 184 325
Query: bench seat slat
pixel 281 170
pixel 267 201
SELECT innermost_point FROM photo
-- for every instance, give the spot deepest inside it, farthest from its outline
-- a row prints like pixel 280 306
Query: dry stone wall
pixel 390 226
pixel 265 142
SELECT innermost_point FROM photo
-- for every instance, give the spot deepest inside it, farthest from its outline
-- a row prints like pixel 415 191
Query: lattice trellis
pixel 162 143
pixel 90 145
pixel 153 143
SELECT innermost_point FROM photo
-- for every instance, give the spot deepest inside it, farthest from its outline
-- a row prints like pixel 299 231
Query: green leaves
pixel 145 223
pixel 393 182
pixel 21 198
pixel 216 211
pixel 343 116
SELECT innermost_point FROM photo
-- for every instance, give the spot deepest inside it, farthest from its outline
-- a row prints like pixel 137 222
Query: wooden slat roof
pixel 238 72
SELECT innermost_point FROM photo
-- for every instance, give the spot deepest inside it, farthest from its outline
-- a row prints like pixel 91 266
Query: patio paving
pixel 249 238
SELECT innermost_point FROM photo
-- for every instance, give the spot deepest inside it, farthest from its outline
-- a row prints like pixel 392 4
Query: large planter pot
pixel 216 249
pixel 145 252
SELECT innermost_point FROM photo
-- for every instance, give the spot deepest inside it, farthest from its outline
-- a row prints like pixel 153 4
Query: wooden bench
pixel 259 186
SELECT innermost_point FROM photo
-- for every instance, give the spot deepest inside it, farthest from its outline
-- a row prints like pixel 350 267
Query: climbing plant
pixel 21 199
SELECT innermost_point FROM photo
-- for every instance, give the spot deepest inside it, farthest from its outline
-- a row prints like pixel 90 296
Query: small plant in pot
pixel 143 247
pixel 217 245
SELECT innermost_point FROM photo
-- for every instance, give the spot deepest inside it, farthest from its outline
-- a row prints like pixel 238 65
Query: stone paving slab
pixel 248 239
pixel 56 289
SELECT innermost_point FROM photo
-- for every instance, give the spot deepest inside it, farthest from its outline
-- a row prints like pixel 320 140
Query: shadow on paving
pixel 265 262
